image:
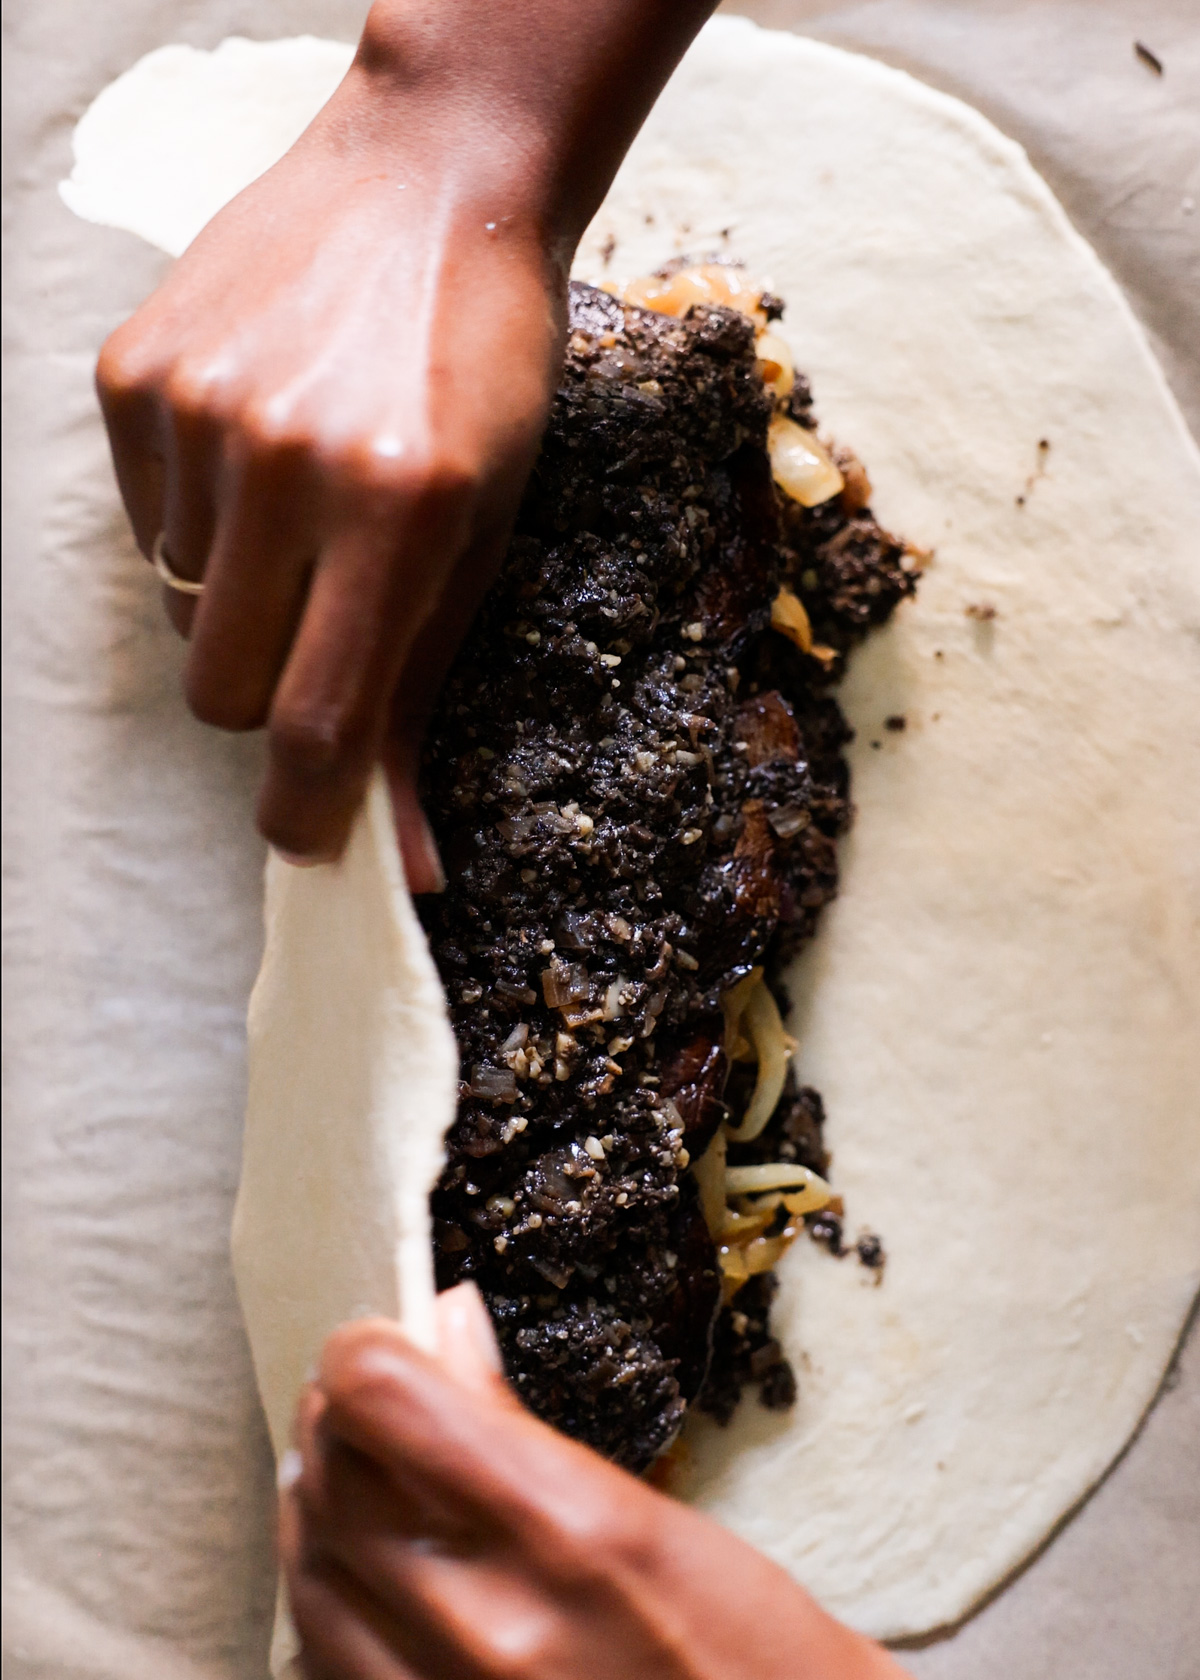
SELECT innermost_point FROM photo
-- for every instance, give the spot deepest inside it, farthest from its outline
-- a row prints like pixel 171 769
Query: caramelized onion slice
pixel 704 283
pixel 773 1048
pixel 804 1191
pixel 710 1176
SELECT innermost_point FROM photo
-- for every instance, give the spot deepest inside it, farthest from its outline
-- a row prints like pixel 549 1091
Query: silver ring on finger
pixel 162 565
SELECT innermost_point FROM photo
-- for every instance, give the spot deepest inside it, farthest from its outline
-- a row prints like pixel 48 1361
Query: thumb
pixel 418 848
pixel 466 1342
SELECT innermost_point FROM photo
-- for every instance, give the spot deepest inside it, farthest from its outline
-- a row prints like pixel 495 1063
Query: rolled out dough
pixel 1000 1009
pixel 353 1081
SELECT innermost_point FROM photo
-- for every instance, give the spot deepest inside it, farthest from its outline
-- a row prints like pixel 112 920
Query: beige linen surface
pixel 139 1488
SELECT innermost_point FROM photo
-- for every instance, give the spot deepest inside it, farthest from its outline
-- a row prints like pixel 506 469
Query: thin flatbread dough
pixel 353 1072
pixel 353 1078
pixel 1000 1008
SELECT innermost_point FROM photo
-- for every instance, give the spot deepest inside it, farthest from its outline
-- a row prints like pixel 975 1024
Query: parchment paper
pixel 138 1493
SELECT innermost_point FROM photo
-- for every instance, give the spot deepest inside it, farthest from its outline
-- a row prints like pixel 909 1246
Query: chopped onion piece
pixel 800 464
pixel 789 617
pixel 564 983
pixel 775 359
pixel 493 1084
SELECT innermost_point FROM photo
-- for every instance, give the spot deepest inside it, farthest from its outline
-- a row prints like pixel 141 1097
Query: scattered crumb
pixel 983 611
pixel 607 249
pixel 1043 450
pixel 870 1251
pixel 896 722
pixel 876 745
pixel 938 654
pixel 1150 59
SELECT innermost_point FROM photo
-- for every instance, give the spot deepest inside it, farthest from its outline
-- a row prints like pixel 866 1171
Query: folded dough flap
pixel 353 1082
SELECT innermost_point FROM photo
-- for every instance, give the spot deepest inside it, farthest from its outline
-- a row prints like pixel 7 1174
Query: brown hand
pixel 439 1530
pixel 330 407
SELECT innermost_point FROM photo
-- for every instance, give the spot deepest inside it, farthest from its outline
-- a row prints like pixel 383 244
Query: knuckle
pixel 311 740
pixel 426 481
pixel 604 1537
pixel 197 392
pixel 271 430
pixel 125 367
pixel 361 1365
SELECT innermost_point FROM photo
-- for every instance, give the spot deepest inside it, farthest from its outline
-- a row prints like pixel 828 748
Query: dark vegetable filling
pixel 637 786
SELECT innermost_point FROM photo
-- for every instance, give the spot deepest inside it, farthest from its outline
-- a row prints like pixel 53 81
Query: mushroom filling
pixel 635 777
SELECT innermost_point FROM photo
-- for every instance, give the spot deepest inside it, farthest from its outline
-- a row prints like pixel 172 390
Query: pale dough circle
pixel 1001 1007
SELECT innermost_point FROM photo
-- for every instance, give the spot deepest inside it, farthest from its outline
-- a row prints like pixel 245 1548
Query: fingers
pixel 400 1408
pixel 193 450
pixel 131 417
pixel 418 848
pixel 344 1631
pixel 453 1609
pixel 354 1548
pixel 256 584
pixel 317 581
pixel 166 447
pixel 476 1453
pixel 374 585
pixel 417 688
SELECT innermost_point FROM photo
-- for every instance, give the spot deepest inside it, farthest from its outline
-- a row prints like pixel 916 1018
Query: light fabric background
pixel 138 1521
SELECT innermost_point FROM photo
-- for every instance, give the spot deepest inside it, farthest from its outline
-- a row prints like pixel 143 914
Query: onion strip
pixel 733 1004
pixel 772 1175
pixel 709 1171
pixel 773 1048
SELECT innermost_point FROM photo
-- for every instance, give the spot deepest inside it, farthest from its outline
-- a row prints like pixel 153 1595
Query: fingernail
pixel 289 1471
pixel 431 858
pixel 298 862
pixel 466 1339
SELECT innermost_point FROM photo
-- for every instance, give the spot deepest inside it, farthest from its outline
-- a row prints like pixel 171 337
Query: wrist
pixel 406 131
pixel 538 97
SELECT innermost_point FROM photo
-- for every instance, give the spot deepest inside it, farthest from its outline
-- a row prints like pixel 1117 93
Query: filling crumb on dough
pixel 636 778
